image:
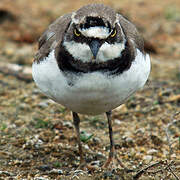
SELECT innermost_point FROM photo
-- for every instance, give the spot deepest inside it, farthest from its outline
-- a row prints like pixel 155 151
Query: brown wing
pixel 132 33
pixel 52 36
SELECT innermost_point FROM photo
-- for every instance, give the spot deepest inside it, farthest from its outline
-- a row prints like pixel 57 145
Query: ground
pixel 37 138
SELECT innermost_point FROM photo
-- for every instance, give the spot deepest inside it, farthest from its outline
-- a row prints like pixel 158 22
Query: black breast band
pixel 113 67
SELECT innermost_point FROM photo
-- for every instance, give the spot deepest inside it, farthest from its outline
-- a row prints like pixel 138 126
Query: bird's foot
pixel 114 163
pixel 110 162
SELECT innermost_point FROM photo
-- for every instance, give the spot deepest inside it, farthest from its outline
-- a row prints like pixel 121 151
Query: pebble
pixel 152 151
pixel 122 108
pixel 96 163
pixel 43 104
pixel 86 147
pixel 33 141
pixel 147 158
pixel 100 155
pixel 6 173
pixel 75 177
pixel 17 162
pixel 40 178
pixel 78 171
pixel 140 131
pixel 68 124
pixel 96 140
pixel 174 155
pixel 118 122
pixel 56 171
pixel 127 142
pixel 38 143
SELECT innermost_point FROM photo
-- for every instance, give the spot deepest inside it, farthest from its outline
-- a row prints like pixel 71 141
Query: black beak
pixel 94 46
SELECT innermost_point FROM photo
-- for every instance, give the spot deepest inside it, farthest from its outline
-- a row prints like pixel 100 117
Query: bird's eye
pixel 113 33
pixel 76 32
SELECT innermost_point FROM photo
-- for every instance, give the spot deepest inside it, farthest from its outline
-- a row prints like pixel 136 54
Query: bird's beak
pixel 94 46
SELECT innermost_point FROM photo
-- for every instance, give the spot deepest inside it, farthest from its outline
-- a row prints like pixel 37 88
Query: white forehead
pixel 96 32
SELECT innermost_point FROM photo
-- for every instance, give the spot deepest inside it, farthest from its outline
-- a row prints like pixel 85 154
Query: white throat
pixel 82 51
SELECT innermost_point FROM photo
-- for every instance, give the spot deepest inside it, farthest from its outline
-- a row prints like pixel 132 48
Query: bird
pixel 91 61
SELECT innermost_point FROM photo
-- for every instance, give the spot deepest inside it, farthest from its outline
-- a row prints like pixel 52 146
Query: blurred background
pixel 35 132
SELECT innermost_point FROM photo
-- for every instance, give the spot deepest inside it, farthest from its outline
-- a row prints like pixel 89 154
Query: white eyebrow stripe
pixel 74 20
pixel 118 22
pixel 96 32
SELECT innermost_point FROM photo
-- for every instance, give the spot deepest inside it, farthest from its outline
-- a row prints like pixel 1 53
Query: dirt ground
pixel 37 138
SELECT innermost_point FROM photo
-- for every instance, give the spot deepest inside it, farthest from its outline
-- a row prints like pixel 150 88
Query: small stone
pixel 6 173
pixel 41 178
pixel 17 162
pixel 118 122
pixel 122 108
pixel 96 140
pixel 173 155
pixel 43 104
pixel 95 163
pixel 75 177
pixel 152 151
pixel 68 124
pixel 78 171
pixel 38 143
pixel 147 158
pixel 86 147
pixel 100 155
pixel 140 131
pixel 56 171
pixel 127 142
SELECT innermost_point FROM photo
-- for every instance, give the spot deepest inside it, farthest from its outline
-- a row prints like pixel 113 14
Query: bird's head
pixel 94 34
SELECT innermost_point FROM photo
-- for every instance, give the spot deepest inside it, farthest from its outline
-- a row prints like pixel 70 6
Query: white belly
pixel 93 93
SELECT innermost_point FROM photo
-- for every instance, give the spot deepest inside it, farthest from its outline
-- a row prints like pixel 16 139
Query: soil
pixel 37 137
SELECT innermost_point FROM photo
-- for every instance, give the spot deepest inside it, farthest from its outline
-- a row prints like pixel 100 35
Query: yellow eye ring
pixel 113 33
pixel 76 32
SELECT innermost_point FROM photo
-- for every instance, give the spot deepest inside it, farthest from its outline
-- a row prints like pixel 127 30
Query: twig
pixel 177 178
pixel 139 173
pixel 165 166
pixel 155 172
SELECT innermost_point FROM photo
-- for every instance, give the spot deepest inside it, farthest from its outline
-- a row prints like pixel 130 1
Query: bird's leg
pixel 112 153
pixel 83 164
pixel 76 122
